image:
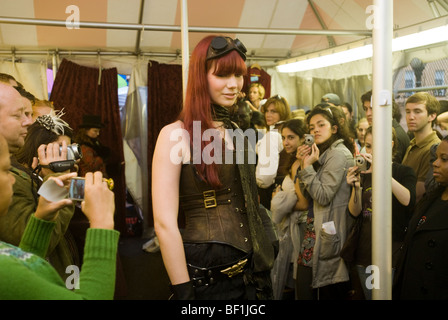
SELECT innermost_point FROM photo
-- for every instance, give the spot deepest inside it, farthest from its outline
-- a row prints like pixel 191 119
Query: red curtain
pixel 83 90
pixel 164 106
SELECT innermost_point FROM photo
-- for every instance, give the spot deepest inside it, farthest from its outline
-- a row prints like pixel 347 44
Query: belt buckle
pixel 209 199
pixel 235 269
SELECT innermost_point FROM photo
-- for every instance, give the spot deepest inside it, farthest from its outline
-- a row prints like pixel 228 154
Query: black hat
pixel 91 121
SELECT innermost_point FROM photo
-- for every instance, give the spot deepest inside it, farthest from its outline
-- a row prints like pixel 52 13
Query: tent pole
pixel 185 45
pixel 382 151
pixel 147 27
pixel 55 64
pixel 139 32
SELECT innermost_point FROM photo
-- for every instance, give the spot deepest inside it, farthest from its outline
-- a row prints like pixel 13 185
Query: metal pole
pixel 148 27
pixel 185 45
pixel 139 32
pixel 382 151
pixel 55 64
pixel 422 89
pixel 273 59
pixel 434 9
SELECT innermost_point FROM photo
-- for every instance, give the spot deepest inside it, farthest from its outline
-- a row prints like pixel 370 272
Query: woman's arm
pixel 355 203
pixel 302 202
pixel 404 183
pixel 166 170
pixel 401 192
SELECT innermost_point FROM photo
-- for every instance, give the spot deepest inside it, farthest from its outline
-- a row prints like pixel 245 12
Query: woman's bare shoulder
pixel 173 126
pixel 170 129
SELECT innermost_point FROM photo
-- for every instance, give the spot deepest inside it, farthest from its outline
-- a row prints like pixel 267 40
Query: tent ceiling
pixel 264 16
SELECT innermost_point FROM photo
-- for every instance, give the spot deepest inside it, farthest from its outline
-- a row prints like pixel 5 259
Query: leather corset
pixel 214 215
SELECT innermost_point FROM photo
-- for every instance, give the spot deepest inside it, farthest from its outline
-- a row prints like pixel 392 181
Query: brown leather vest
pixel 214 215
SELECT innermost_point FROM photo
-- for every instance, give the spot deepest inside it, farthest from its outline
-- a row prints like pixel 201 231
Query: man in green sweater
pixel 25 274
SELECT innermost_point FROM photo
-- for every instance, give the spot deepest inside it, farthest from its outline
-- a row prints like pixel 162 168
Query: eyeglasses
pixel 223 45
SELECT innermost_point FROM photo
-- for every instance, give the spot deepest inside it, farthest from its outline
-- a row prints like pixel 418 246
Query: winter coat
pixel 330 193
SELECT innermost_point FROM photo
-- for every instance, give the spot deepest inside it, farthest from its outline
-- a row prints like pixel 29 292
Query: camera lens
pixel 73 152
pixel 309 139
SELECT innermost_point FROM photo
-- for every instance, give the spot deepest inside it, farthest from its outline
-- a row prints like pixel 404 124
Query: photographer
pixel 360 207
pixel 321 273
pixel 25 274
pixel 41 147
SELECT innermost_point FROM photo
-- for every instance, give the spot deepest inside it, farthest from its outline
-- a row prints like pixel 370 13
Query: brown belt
pixel 206 199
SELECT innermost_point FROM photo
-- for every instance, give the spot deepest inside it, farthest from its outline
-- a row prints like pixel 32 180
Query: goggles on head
pixel 223 45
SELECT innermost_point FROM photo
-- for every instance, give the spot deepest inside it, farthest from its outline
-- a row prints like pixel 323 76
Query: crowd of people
pixel 318 198
pixel 285 215
pixel 39 258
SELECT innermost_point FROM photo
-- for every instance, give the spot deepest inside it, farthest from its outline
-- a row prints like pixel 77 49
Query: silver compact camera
pixel 309 139
pixel 361 163
pixel 73 151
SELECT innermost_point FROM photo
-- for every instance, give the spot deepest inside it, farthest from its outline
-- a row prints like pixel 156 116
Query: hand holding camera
pixel 305 148
pixel 364 162
pixel 55 158
pixel 353 177
pixel 47 209
pixel 308 152
pixel 99 204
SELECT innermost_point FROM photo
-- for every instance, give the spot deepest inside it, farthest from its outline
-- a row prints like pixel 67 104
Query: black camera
pixel 73 151
pixel 309 139
pixel 361 163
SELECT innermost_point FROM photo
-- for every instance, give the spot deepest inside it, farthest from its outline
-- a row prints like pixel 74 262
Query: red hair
pixel 197 104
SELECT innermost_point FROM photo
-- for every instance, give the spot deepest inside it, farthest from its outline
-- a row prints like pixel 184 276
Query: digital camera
pixel 73 151
pixel 361 163
pixel 77 185
pixel 76 189
pixel 309 139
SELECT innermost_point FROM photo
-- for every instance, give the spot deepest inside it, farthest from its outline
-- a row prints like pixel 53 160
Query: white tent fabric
pixel 253 21
pixel 134 133
pixel 33 76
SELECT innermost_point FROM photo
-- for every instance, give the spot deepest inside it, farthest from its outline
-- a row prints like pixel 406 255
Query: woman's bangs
pixel 231 63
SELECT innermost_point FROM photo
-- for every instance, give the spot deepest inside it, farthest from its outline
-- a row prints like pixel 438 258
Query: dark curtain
pixel 83 90
pixel 164 106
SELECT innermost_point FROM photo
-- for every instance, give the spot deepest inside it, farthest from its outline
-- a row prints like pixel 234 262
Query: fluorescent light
pixel 328 60
pixel 414 40
pixel 420 39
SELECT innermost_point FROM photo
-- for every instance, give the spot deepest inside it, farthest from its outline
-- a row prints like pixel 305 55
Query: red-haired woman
pixel 223 252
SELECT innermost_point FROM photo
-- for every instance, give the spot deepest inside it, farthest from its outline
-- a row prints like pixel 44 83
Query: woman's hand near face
pixel 307 155
pixel 369 159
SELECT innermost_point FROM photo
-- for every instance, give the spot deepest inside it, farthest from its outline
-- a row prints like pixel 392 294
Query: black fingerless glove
pixel 183 291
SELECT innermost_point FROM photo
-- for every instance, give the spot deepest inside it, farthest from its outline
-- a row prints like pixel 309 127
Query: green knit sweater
pixel 26 275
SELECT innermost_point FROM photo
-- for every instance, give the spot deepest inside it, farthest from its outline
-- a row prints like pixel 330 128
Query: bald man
pixel 14 121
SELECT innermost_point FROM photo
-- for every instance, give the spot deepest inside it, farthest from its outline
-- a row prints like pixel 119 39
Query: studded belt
pixel 209 276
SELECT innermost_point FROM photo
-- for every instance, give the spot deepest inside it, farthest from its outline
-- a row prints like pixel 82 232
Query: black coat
pixel 422 271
